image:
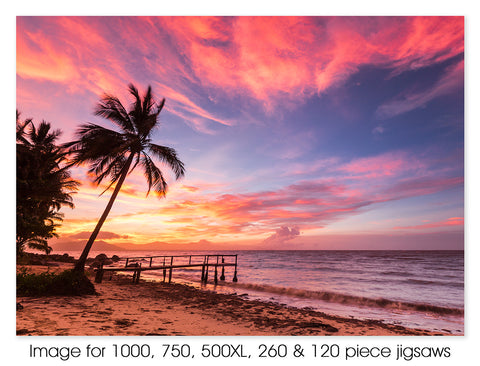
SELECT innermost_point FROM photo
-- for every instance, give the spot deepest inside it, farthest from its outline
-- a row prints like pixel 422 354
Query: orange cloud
pixel 195 214
pixel 39 57
pixel 203 209
pixel 190 188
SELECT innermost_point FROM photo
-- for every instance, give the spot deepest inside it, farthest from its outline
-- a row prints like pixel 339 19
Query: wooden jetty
pixel 169 262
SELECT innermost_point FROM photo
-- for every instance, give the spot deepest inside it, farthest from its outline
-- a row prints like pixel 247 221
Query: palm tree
pixel 44 184
pixel 111 154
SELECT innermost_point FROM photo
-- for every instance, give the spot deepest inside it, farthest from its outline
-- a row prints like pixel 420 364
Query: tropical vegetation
pixel 65 283
pixel 44 184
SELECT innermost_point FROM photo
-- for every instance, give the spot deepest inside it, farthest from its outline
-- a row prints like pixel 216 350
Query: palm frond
pixel 160 106
pixel 43 137
pixel 136 109
pixel 108 167
pixel 168 156
pixel 112 109
pixel 21 129
pixel 137 161
pixel 148 102
pixel 154 176
pixel 141 113
pixel 94 142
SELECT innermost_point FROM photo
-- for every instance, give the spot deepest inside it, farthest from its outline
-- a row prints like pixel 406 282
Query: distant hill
pixel 73 247
pixel 102 246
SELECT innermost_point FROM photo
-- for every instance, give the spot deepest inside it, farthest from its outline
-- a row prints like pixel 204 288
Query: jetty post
pixel 99 274
pixel 164 270
pixel 205 279
pixel 171 269
pixel 136 273
pixel 216 275
pixel 222 277
pixel 235 279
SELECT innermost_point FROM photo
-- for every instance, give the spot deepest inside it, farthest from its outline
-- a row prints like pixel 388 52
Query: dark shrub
pixel 68 283
pixel 101 257
pixel 43 259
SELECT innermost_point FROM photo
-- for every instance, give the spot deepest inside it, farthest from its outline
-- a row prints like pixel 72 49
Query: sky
pixel 296 132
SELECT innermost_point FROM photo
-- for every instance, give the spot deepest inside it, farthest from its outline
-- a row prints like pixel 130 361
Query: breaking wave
pixel 350 299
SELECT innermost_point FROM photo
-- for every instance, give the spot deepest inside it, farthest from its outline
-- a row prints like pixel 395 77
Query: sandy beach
pixel 122 308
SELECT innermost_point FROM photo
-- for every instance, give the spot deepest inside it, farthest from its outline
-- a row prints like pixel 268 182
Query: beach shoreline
pixel 121 308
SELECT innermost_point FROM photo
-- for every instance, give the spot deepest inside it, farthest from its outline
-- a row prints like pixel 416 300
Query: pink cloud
pixel 278 61
pixel 385 165
pixel 290 58
pixel 281 236
pixel 402 43
pixel 388 164
pixel 84 58
pixel 429 40
pixel 257 212
pixel 452 221
pixel 201 212
pixel 204 208
pixel 419 186
pixel 317 203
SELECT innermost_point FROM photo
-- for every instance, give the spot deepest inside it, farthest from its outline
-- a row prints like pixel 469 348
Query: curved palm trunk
pixel 80 264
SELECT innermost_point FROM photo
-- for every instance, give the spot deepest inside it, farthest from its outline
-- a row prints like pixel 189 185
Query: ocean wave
pixel 350 299
pixel 432 282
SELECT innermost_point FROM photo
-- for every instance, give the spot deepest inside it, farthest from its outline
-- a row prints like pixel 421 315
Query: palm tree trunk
pixel 80 264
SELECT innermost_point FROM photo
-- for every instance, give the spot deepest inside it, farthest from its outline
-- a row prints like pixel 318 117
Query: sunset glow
pixel 296 133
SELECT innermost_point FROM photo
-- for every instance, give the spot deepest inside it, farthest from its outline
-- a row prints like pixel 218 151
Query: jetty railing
pixel 169 262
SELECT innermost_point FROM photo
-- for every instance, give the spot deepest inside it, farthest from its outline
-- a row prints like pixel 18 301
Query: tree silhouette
pixel 114 154
pixel 44 184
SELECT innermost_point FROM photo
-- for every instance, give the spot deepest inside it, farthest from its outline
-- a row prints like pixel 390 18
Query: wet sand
pixel 122 308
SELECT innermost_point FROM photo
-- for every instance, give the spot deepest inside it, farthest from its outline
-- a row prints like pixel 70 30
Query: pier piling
pixel 99 274
pixel 222 277
pixel 164 270
pixel 206 272
pixel 171 269
pixel 235 279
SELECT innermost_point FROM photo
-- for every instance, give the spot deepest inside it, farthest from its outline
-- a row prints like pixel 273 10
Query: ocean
pixel 416 289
